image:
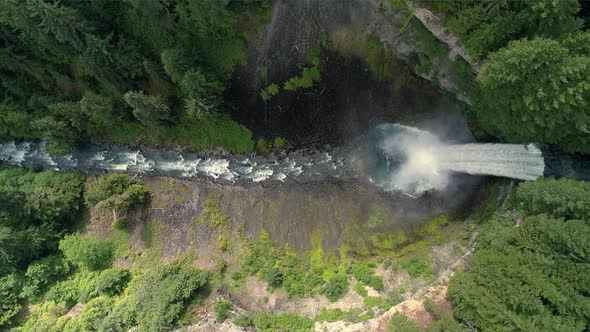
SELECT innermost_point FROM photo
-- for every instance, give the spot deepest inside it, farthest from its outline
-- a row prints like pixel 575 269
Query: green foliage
pixel 308 76
pixel 359 288
pixel 206 134
pixel 112 281
pixel 87 252
pixel 336 287
pixel 284 321
pixel 400 323
pixel 443 321
pixel 105 187
pixel 274 278
pixel 487 26
pixel 42 273
pixel 262 145
pixel 432 226
pixel 80 288
pixel 264 71
pixel 73 70
pixel 529 277
pixel 269 92
pixel 120 224
pixel 279 142
pixel 93 312
pixel 149 110
pixel 554 236
pixel 433 48
pixel 299 276
pixel 536 90
pixel 373 301
pixel 151 233
pixel 36 208
pixel 329 315
pixel 224 243
pixel 464 78
pixel 212 215
pixel 156 299
pixel 560 198
pixel 222 308
pixel 242 320
pixel 417 267
pixel 365 274
pixel 10 286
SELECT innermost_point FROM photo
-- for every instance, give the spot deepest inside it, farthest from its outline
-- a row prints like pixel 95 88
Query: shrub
pixel 242 320
pixel 94 312
pixel 306 80
pixel 221 266
pixel 9 307
pixel 262 145
pixel 329 315
pixel 112 281
pixel 269 92
pixel 393 298
pixel 274 278
pixel 359 288
pixel 336 287
pixel 432 226
pixel 105 187
pixel 376 282
pixel 120 224
pixel 416 267
pixel 212 215
pixel 400 323
pixel 364 273
pixel 116 192
pixel 156 299
pixel 279 142
pixel 79 288
pixel 88 252
pixel 224 243
pixel 282 322
pixel 43 273
pixel 222 308
pixel 373 301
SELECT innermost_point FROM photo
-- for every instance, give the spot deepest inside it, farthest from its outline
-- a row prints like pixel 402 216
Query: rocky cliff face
pixel 342 29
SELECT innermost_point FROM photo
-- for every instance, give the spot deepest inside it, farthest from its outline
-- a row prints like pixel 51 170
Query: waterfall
pixel 413 161
pixel 392 156
pixel 523 162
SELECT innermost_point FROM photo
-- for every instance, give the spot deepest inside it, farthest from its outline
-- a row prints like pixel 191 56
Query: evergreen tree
pixel 538 91
pixel 149 110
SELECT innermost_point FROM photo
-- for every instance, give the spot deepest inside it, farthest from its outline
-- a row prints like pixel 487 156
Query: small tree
pixel 87 252
pixel 149 110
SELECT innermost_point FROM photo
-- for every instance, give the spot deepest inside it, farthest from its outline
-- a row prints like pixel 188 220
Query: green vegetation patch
pixel 118 194
pixel 300 275
pixel 534 276
pixel 151 233
pixel 212 215
pixel 125 73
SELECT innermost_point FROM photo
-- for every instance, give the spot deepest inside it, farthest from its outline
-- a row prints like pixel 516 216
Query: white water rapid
pixel 394 157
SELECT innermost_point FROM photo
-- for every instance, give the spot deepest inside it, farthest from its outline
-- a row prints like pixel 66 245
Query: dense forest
pixel 75 72
pixel 158 73
pixel 533 86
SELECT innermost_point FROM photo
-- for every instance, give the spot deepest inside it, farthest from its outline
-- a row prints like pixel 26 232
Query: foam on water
pixel 393 157
pixel 414 161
